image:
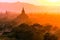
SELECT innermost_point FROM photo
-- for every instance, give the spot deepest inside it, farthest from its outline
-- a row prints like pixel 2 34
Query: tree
pixel 24 32
pixel 49 36
pixel 57 32
pixel 47 28
pixel 37 29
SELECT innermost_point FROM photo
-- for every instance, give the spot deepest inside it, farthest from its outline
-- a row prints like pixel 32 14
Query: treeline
pixel 29 32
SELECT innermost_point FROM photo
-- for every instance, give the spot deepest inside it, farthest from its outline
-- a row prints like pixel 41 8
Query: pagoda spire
pixel 23 11
pixel 6 13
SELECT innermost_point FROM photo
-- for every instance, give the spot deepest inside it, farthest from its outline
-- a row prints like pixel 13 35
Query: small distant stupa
pixel 22 18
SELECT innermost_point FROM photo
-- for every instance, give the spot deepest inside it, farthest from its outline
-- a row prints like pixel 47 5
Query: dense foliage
pixel 28 32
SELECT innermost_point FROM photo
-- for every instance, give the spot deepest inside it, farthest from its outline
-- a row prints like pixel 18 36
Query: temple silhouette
pixel 22 18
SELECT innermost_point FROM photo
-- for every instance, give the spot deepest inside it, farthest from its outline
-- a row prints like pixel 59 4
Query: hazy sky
pixel 37 2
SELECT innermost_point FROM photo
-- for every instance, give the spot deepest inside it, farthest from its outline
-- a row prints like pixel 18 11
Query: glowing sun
pixel 53 1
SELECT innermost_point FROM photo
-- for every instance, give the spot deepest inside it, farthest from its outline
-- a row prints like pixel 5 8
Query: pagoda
pixel 22 18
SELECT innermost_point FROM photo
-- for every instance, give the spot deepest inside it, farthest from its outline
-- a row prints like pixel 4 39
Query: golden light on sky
pixel 52 0
pixel 37 2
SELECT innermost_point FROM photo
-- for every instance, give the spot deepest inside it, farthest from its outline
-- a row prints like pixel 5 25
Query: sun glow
pixel 53 1
pixel 50 2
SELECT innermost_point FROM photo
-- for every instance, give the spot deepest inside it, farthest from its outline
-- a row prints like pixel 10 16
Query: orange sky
pixel 52 19
pixel 49 6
